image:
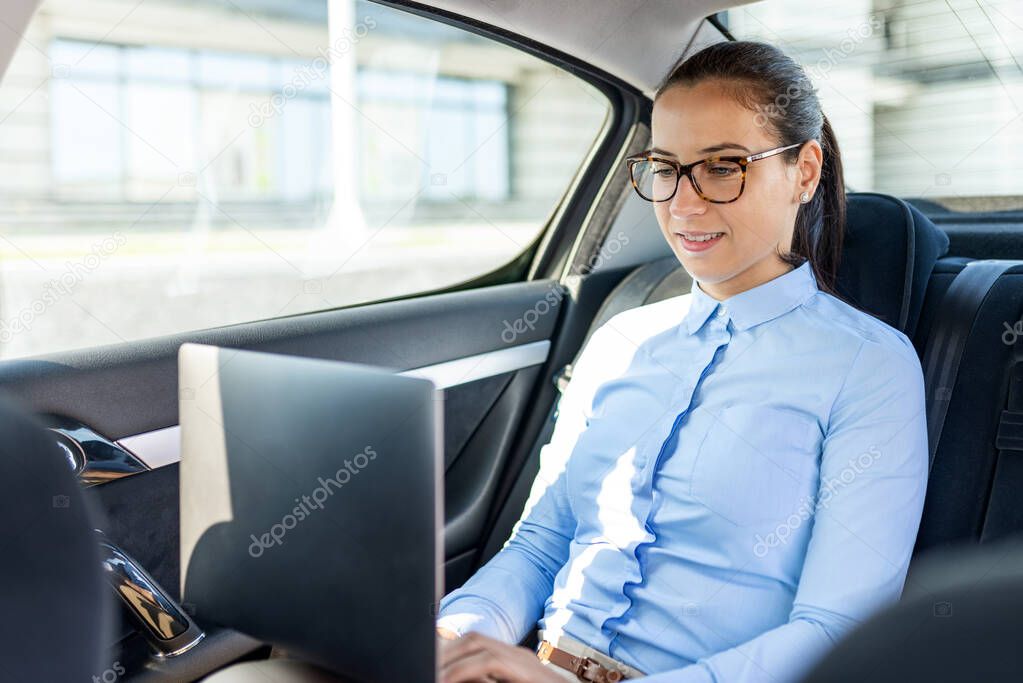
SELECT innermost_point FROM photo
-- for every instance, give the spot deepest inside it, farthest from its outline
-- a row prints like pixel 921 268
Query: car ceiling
pixel 635 40
pixel 14 18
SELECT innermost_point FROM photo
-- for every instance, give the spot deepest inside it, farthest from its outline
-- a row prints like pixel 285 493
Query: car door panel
pixel 129 389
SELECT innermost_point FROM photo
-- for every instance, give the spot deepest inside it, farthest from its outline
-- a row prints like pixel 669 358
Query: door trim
pixel 162 447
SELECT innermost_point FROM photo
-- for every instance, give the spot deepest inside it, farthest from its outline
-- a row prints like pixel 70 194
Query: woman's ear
pixel 808 169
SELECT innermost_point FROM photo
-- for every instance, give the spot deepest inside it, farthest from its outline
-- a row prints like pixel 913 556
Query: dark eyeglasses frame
pixel 687 171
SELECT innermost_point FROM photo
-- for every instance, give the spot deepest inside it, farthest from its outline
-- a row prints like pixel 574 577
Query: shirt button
pixel 721 312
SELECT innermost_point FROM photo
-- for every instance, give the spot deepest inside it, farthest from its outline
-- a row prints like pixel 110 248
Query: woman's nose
pixel 686 201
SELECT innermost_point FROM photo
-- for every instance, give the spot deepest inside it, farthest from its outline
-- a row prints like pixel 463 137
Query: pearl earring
pixel 805 197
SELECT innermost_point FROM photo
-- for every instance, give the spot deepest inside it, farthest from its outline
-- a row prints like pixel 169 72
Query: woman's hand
pixel 475 658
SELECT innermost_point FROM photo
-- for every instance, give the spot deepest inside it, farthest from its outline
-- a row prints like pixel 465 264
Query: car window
pixel 925 96
pixel 170 166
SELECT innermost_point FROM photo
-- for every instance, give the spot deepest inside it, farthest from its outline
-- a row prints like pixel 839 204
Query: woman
pixel 737 475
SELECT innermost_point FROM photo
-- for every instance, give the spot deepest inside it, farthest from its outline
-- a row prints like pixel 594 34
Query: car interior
pixel 91 446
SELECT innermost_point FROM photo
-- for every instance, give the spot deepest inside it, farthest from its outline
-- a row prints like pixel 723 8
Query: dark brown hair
pixel 767 81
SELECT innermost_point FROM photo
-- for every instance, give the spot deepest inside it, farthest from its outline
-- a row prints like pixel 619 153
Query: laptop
pixel 311 508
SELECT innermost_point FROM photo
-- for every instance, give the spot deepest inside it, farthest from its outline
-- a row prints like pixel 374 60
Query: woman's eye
pixel 723 171
pixel 664 171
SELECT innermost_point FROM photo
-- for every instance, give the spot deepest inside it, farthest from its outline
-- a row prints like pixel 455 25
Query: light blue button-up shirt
pixel 730 488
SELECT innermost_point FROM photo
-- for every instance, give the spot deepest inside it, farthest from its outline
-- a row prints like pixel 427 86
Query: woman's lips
pixel 696 246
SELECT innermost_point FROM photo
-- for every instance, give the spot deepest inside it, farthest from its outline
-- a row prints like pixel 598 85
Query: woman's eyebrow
pixel 723 145
pixel 706 150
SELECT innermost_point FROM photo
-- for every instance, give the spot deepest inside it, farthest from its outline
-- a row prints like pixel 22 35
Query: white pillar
pixel 344 230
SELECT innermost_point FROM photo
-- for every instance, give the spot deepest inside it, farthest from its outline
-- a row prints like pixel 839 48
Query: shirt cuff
pixel 460 623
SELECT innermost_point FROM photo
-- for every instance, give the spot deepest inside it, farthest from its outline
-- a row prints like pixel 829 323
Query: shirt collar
pixel 757 305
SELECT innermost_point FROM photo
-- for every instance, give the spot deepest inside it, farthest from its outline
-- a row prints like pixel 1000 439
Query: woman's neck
pixel 754 276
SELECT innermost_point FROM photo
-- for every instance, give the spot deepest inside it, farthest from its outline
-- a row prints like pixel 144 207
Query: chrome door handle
pixel 168 629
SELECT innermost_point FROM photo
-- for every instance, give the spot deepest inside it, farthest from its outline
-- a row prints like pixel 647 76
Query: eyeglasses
pixel 717 179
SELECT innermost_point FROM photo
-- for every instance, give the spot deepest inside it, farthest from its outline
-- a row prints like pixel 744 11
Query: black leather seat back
pixel 975 492
pixel 55 605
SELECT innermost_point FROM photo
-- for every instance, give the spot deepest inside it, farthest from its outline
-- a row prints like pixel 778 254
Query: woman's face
pixel 692 123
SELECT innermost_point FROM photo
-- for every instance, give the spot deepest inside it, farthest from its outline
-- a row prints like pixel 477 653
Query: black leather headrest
pixel 887 257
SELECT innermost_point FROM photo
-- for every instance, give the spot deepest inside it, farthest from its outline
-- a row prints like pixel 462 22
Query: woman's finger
pixel 475 658
pixel 480 666
pixel 467 645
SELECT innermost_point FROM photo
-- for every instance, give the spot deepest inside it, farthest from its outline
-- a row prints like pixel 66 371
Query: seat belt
pixel 1004 515
pixel 631 293
pixel 944 352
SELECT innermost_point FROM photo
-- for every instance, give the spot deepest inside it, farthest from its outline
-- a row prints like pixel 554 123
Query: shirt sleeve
pixel 873 478
pixel 504 599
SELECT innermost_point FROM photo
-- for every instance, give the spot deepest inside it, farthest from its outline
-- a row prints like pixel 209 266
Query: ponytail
pixel 820 224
